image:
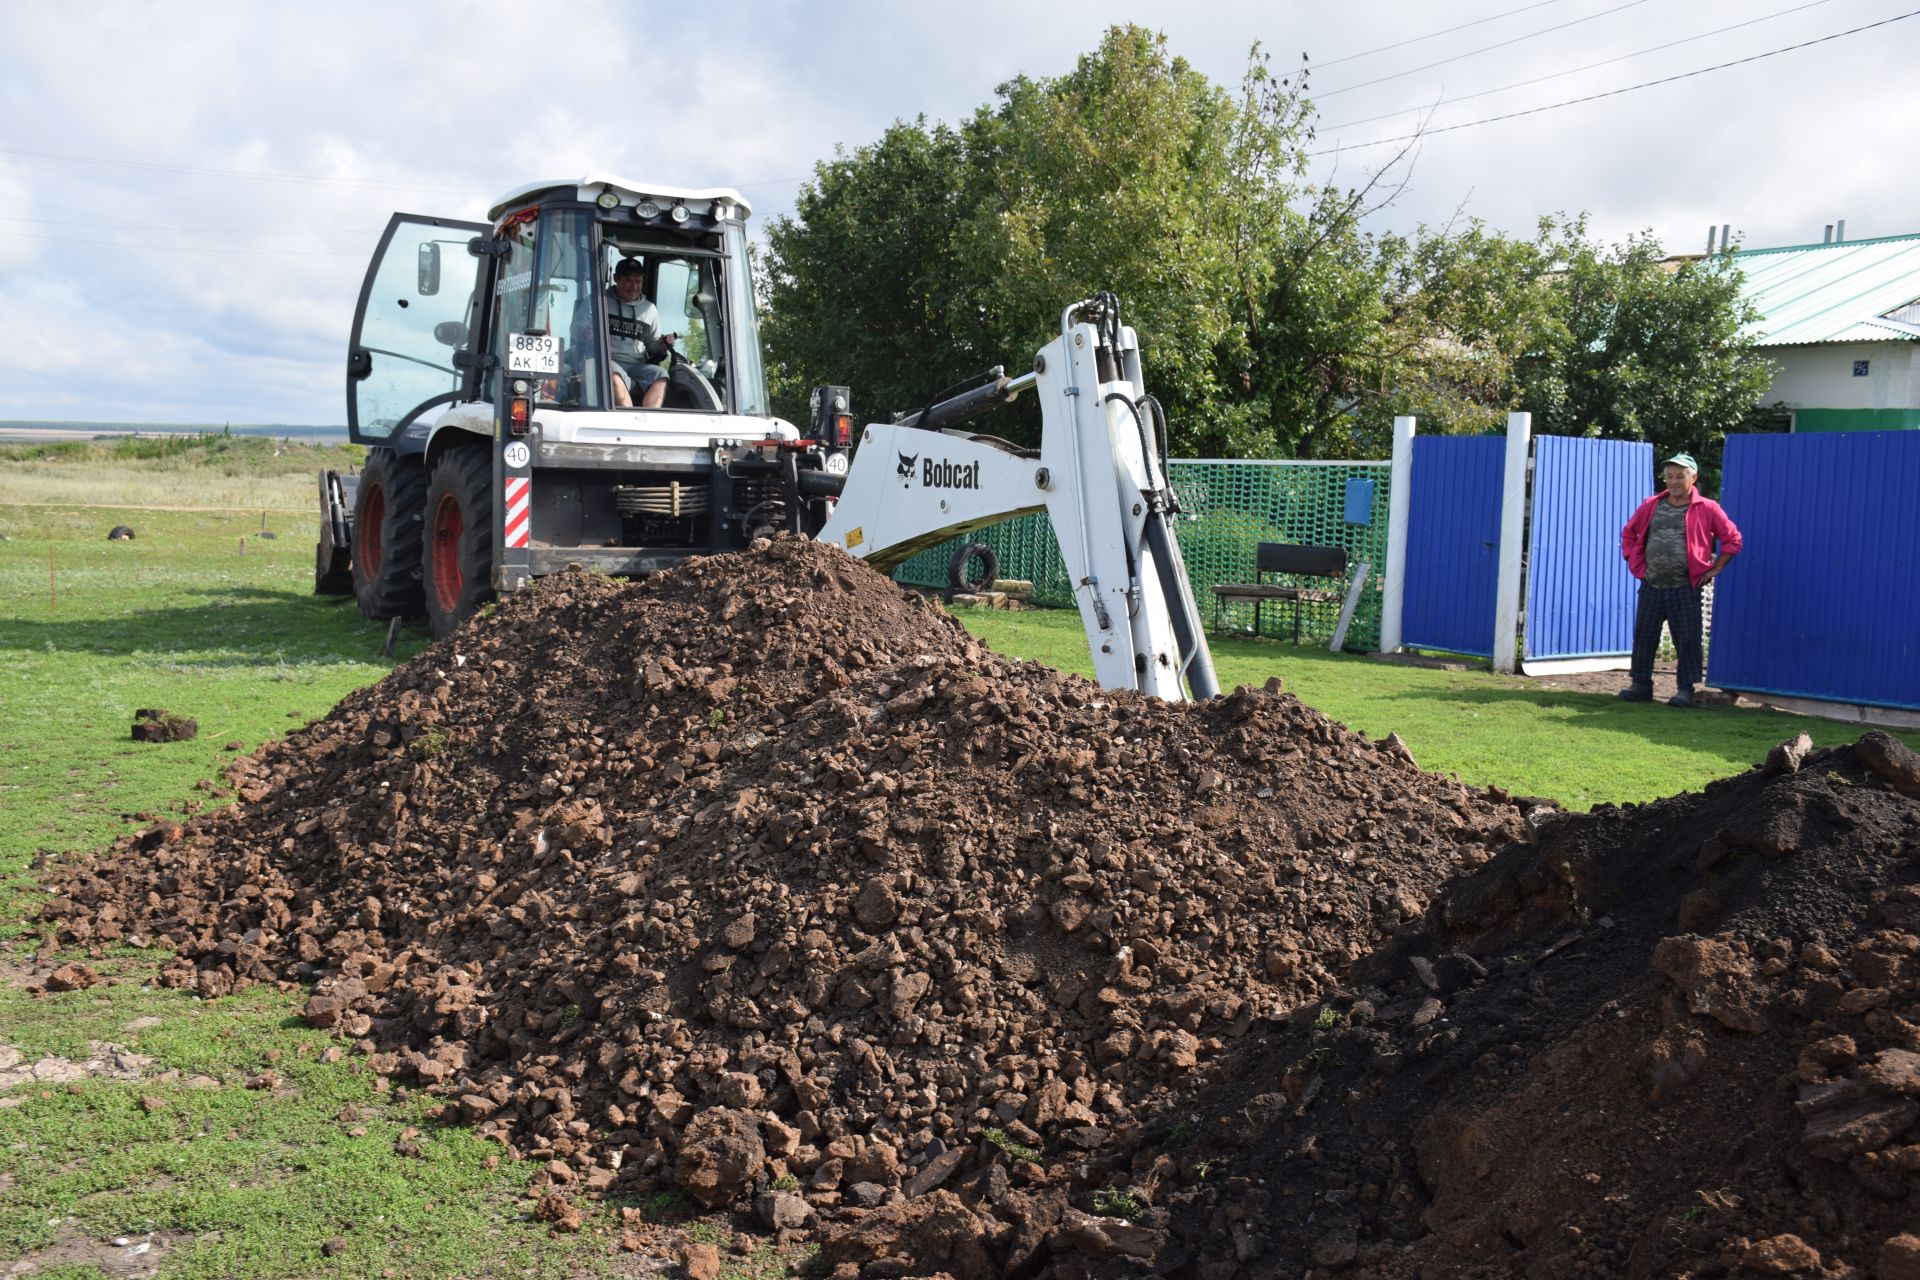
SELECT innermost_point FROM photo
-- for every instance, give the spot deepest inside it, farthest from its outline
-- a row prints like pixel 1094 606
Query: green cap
pixel 1685 460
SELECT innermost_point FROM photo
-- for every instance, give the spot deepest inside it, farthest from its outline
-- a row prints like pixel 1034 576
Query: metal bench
pixel 1293 561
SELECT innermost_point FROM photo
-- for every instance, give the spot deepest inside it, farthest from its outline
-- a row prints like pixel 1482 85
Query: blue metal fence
pixel 1824 600
pixel 1453 540
pixel 1580 594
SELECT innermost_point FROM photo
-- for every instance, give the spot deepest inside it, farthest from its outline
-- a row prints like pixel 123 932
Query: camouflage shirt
pixel 1667 546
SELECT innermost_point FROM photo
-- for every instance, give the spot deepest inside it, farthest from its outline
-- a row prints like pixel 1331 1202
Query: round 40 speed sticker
pixel 516 454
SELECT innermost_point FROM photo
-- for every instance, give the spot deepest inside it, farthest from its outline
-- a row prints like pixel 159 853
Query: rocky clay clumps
pixel 763 871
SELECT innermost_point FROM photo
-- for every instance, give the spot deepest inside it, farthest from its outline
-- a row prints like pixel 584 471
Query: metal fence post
pixel 1399 496
pixel 1513 537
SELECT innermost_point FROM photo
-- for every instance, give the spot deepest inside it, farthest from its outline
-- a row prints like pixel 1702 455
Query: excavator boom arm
pixel 1100 479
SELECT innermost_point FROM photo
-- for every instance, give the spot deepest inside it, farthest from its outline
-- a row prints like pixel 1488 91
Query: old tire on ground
pixel 389 511
pixel 332 571
pixel 459 559
pixel 973 567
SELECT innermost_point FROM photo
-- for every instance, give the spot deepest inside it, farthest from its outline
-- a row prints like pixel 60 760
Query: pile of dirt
pixel 763 877
pixel 764 880
pixel 1679 1039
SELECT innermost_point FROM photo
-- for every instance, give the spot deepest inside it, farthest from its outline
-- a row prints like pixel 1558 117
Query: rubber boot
pixel 1684 698
pixel 1636 693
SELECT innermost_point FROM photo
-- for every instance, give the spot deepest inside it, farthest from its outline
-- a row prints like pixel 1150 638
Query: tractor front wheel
pixel 459 562
pixel 388 509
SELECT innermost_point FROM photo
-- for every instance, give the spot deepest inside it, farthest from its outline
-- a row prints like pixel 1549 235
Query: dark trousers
pixel 1679 609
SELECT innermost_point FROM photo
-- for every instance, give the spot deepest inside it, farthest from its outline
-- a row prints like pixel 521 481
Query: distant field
pixel 232 472
pixel 15 428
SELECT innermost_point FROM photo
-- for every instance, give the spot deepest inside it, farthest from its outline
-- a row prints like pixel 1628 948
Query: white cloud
pixel 239 304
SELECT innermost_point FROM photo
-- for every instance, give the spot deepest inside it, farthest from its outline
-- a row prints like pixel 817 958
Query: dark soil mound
pixel 1681 1039
pixel 764 867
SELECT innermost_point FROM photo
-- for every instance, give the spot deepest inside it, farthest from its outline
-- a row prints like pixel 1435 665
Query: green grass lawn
pixel 198 615
pixel 249 1182
pixel 1580 749
pixel 202 617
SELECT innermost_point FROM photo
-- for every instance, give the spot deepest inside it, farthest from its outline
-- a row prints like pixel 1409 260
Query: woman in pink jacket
pixel 1669 545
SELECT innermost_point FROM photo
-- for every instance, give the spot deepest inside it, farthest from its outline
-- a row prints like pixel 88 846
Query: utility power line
pixel 67 225
pixel 248 174
pixel 1606 62
pixel 196 248
pixel 1614 93
pixel 1474 53
pixel 1431 35
pixel 96 180
pixel 41 159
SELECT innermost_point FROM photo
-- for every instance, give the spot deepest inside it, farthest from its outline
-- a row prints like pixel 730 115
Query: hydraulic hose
pixel 1198 659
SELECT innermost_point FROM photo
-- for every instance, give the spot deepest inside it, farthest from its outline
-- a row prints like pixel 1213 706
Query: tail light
pixel 519 415
pixel 832 416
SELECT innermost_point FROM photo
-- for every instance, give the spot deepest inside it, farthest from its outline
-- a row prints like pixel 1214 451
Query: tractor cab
pixel 576 381
pixel 456 313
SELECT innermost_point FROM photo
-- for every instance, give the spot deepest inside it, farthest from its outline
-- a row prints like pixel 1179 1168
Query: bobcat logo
pixel 906 469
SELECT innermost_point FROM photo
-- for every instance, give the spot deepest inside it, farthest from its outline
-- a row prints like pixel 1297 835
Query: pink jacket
pixel 1705 522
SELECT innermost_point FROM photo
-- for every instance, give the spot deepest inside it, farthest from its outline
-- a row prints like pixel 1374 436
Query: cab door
pixel 416 312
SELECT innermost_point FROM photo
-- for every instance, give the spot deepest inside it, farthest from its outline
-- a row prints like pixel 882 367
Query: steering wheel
pixel 688 388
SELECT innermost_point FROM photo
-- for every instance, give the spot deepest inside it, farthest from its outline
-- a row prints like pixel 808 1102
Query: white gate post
pixel 1513 535
pixel 1399 499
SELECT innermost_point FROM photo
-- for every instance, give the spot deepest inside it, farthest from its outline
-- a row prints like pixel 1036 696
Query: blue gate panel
pixel 1824 600
pixel 1580 594
pixel 1453 541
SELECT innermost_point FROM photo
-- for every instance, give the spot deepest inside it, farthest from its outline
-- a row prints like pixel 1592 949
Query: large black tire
pixel 389 512
pixel 961 572
pixel 459 560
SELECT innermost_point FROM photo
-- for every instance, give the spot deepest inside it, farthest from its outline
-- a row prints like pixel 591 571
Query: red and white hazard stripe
pixel 519 509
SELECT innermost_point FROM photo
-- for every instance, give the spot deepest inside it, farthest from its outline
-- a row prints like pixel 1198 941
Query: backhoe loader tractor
pixel 578 382
pixel 495 375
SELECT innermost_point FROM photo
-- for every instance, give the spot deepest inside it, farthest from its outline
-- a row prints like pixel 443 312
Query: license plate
pixel 533 353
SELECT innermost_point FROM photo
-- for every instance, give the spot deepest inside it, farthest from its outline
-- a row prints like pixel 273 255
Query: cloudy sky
pixel 189 191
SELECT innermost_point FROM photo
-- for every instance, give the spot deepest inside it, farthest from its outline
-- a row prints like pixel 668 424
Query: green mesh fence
pixel 1229 509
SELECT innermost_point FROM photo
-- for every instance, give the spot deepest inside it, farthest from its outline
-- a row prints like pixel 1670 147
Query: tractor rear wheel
pixel 388 509
pixel 459 576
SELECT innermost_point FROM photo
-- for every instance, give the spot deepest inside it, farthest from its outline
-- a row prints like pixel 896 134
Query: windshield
pixel 665 330
pixel 560 306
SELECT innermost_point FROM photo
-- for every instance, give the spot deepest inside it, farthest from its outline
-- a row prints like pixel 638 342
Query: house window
pixel 1859 368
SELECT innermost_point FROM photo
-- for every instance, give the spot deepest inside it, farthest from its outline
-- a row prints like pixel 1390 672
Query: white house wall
pixel 1821 376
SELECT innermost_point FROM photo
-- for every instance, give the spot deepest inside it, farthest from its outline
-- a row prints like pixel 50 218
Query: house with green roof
pixel 1841 322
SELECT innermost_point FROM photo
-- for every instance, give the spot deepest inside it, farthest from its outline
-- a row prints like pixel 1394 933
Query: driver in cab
pixel 634 341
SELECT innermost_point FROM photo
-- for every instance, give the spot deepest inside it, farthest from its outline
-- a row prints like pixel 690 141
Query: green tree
pixel 868 283
pixel 1639 348
pixel 935 251
pixel 1272 322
